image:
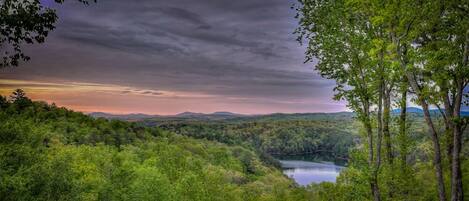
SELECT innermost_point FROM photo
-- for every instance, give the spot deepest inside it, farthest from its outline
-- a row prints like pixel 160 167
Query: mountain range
pixel 184 115
pixel 223 115
pixel 420 111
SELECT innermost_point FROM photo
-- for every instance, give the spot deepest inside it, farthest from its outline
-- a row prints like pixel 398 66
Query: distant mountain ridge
pixel 409 110
pixel 186 115
pixel 224 115
pixel 220 115
pixel 121 116
pixel 420 111
pixel 215 113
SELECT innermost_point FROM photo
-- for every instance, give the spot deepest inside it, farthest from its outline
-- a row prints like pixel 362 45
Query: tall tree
pixel 426 42
pixel 443 47
pixel 410 33
pixel 341 42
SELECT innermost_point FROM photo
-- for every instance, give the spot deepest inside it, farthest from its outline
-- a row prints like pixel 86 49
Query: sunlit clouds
pixel 168 57
pixel 91 97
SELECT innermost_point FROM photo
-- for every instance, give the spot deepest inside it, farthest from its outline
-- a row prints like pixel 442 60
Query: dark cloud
pixel 116 39
pixel 185 15
pixel 242 48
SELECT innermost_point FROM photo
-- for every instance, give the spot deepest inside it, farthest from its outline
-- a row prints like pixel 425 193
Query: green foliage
pixel 50 153
pixel 326 137
pixel 368 47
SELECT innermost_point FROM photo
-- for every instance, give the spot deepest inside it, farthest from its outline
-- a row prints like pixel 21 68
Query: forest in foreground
pixel 51 153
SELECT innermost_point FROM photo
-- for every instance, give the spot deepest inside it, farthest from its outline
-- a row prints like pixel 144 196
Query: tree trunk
pixel 437 154
pixel 402 127
pixel 374 177
pixel 386 120
pixel 381 92
pixel 402 53
pixel 456 175
pixel 375 188
pixel 378 143
pixel 457 193
pixel 403 138
pixel 434 135
pixel 449 134
pixel 387 137
pixel 448 120
pixel 380 125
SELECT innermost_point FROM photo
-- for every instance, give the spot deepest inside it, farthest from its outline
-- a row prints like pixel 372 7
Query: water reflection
pixel 307 172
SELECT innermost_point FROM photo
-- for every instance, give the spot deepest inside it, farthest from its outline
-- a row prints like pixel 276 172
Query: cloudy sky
pixel 166 57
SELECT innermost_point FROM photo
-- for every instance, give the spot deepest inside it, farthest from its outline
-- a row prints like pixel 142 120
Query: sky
pixel 168 57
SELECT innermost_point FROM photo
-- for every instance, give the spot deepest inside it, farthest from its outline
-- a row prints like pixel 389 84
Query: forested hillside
pixel 328 138
pixel 51 153
pixel 324 135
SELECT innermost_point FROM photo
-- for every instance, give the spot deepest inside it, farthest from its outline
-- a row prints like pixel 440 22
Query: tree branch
pixel 442 113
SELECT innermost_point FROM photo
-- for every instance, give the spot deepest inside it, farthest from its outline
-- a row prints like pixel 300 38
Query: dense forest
pixel 52 153
pixel 328 138
pixel 383 55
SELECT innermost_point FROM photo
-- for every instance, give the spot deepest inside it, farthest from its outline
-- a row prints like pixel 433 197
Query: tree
pixel 18 95
pixel 438 40
pixel 447 53
pixel 426 42
pixel 341 43
pixel 19 99
pixel 24 21
pixel 3 102
pixel 400 21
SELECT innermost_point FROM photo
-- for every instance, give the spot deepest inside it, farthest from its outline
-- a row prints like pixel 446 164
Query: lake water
pixel 307 172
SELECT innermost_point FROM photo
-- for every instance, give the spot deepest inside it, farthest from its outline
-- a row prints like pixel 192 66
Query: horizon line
pixel 245 114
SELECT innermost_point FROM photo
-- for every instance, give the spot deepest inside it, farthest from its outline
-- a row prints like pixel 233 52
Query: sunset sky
pixel 167 57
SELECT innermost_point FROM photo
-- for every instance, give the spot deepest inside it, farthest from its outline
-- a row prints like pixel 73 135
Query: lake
pixel 305 172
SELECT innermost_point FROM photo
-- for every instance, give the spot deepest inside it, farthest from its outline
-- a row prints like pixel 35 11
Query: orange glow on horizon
pixel 116 99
